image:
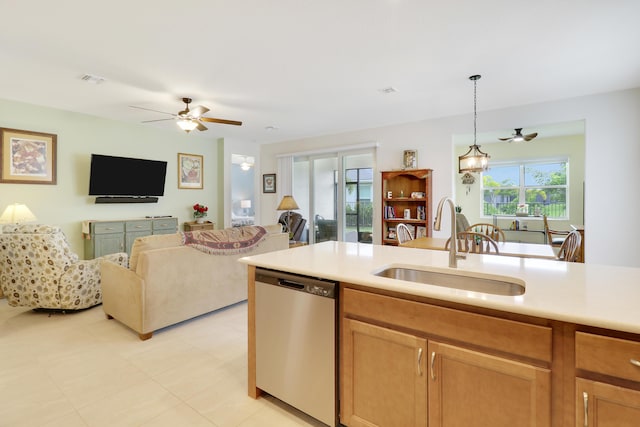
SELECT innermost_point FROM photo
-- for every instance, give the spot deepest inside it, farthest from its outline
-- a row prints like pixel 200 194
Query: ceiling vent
pixel 90 78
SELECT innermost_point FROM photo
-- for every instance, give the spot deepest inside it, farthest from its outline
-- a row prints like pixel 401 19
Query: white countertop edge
pixel 599 296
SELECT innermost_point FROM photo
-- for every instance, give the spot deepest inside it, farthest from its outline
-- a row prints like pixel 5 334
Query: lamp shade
pixel 245 204
pixel 17 213
pixel 473 160
pixel 287 203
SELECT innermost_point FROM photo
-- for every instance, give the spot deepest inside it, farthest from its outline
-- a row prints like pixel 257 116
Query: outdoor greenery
pixel 544 191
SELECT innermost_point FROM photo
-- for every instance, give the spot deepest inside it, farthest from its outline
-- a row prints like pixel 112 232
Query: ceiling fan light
pixel 187 125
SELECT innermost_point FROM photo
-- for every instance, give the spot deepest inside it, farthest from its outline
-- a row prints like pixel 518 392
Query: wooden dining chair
pixel 554 237
pixel 403 233
pixel 570 247
pixel 490 230
pixel 471 241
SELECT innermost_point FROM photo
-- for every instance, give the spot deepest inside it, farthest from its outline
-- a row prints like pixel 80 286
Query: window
pixel 540 188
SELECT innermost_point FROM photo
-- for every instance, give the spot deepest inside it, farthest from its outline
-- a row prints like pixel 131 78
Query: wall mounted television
pixel 126 180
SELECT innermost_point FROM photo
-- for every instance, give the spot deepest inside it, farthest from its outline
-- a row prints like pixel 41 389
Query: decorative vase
pixel 199 220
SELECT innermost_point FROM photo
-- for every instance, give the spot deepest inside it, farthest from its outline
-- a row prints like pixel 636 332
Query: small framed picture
pixel 421 231
pixel 190 171
pixel 269 183
pixel 27 157
pixel 410 159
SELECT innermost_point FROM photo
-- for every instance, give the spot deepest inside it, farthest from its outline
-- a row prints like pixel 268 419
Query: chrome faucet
pixel 453 243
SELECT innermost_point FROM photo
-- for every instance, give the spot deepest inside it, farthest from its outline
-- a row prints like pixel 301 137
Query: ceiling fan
pixel 189 120
pixel 519 137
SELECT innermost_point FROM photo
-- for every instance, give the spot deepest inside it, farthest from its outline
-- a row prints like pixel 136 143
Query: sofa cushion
pixel 157 241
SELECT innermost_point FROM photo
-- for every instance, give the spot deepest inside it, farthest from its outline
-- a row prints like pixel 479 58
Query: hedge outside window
pixel 542 188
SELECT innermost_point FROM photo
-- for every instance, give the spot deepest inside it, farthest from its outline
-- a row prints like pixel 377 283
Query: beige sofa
pixel 168 282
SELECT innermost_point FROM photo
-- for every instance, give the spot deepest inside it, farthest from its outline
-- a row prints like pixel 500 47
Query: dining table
pixel 515 249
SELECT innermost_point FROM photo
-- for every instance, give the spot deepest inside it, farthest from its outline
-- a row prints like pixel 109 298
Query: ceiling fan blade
pixel 198 111
pixel 156 120
pixel 149 109
pixel 506 139
pixel 530 136
pixel 223 121
pixel 200 126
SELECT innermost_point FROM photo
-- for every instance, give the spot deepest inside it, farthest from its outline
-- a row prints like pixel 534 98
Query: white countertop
pixel 595 295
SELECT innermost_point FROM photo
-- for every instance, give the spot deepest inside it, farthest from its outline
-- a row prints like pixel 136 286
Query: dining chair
pixel 570 247
pixel 471 241
pixel 403 233
pixel 554 237
pixel 490 230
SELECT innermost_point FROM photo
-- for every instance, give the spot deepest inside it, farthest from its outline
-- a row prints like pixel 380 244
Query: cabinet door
pixel 604 405
pixel 383 377
pixel 108 244
pixel 132 236
pixel 469 388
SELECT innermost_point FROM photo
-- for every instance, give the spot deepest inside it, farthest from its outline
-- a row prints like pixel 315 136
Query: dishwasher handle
pixel 291 284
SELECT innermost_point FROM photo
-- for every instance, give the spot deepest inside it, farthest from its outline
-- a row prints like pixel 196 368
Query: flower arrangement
pixel 199 211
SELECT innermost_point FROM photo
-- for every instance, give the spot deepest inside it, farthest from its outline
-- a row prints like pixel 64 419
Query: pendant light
pixel 474 160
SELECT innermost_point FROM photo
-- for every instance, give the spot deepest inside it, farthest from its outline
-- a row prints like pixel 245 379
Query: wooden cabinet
pixel 107 237
pixel 193 226
pixel 406 191
pixel 475 369
pixel 494 391
pixel 608 382
pixel 384 380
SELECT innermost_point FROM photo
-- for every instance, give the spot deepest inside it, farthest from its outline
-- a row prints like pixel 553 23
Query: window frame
pixel 522 188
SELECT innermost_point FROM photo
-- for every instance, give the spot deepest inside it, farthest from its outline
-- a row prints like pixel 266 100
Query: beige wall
pixel 67 204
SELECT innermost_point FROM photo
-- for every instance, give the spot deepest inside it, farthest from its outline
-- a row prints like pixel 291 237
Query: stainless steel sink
pixel 497 285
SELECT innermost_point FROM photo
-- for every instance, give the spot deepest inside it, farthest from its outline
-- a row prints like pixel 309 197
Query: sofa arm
pixel 80 283
pixel 122 291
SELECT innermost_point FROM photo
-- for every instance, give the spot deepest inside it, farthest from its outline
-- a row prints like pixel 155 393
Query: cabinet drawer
pixel 108 227
pixel 608 356
pixel 523 339
pixel 165 224
pixel 138 226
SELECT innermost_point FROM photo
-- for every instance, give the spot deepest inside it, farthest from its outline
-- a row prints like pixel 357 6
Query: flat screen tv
pixel 125 176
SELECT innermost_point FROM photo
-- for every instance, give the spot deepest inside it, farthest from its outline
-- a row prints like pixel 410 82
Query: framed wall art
pixel 269 183
pixel 27 157
pixel 190 171
pixel 410 159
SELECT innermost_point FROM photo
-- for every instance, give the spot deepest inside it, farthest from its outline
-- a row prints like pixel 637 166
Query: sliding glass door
pixel 336 192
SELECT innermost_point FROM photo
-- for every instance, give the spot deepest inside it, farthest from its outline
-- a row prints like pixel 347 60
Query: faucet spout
pixel 453 244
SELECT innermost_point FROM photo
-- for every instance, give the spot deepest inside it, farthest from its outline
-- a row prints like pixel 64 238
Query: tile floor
pixel 81 369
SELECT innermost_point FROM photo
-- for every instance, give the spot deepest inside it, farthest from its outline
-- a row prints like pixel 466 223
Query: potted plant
pixel 199 212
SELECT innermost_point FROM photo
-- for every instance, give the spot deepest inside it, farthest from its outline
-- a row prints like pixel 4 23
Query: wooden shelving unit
pixel 409 189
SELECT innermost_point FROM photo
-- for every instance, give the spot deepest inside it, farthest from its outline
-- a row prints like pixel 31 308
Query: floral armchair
pixel 39 270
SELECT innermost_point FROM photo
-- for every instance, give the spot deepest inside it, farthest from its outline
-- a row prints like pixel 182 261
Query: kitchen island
pixel 572 337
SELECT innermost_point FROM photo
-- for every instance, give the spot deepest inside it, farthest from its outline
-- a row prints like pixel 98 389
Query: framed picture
pixel 410 159
pixel 27 157
pixel 190 171
pixel 421 231
pixel 269 183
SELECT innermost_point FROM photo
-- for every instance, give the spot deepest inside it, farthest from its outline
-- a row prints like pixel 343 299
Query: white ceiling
pixel 312 67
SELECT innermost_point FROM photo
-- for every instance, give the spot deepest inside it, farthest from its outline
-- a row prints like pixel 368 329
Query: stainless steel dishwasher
pixel 296 341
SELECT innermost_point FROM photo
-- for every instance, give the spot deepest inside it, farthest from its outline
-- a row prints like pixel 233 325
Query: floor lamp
pixel 288 203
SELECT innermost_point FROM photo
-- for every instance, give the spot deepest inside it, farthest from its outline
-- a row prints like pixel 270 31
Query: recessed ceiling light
pixel 90 78
pixel 389 89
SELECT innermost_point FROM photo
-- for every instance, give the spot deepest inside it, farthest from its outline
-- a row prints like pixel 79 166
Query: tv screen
pixel 124 176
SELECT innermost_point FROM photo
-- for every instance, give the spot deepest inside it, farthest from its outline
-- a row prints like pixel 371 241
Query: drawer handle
pixel 420 361
pixel 433 361
pixel 635 362
pixel 585 400
pixel 108 228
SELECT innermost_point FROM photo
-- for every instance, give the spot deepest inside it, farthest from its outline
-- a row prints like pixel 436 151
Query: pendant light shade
pixel 474 160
